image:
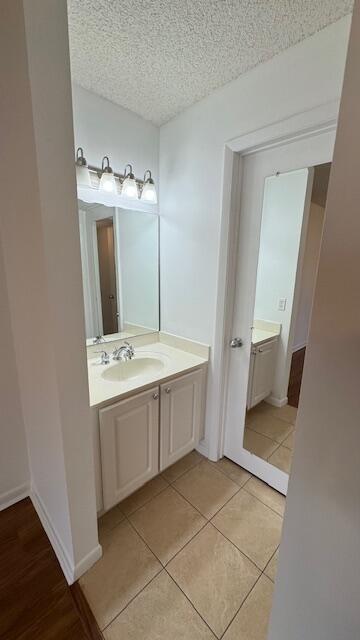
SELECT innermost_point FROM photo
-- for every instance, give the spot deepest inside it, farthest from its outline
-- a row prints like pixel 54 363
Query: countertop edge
pixel 144 387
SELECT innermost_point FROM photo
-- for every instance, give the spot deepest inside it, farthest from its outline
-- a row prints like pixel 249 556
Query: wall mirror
pixel 120 269
pixel 290 239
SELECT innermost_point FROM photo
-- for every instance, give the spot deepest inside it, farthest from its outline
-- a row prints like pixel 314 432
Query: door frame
pixel 303 125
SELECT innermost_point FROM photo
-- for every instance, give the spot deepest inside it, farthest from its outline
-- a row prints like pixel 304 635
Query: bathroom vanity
pixel 147 412
pixel 264 346
pixel 147 405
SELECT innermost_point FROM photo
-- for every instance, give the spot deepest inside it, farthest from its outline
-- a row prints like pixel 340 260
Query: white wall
pixel 14 467
pixel 104 128
pixel 191 164
pixel 318 582
pixel 281 226
pixel 308 275
pixel 40 236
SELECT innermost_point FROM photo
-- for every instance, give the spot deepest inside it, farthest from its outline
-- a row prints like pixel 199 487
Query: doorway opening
pixel 107 274
pixel 308 278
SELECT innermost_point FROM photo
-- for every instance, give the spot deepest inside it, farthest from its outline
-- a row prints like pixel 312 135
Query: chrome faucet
pixel 98 339
pixel 125 352
pixel 105 358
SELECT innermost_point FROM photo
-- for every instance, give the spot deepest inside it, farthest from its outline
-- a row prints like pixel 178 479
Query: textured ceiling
pixel 157 57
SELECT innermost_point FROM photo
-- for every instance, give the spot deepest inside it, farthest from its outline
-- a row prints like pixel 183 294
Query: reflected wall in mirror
pixel 120 269
pixel 290 238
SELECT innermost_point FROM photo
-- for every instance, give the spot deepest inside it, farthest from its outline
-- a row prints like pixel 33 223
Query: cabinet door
pixel 129 439
pixel 181 415
pixel 263 372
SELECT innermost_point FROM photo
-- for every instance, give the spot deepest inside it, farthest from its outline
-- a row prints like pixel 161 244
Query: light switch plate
pixel 282 304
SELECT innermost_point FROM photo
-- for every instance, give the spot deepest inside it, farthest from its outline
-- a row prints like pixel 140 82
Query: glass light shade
pixel 83 175
pixel 130 188
pixel 148 193
pixel 107 182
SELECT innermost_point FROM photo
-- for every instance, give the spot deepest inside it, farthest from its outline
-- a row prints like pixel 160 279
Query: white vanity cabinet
pixel 181 415
pixel 129 443
pixel 262 368
pixel 147 432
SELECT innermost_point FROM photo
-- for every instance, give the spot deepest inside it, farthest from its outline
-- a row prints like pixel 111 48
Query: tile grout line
pixel 145 503
pixel 163 568
pixel 264 503
pixel 191 603
pixel 132 600
pixel 268 437
pixel 252 588
pixel 273 555
pixel 242 603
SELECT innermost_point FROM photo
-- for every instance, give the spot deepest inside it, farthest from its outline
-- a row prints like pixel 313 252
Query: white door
pixel 256 167
pixel 129 441
pixel 181 415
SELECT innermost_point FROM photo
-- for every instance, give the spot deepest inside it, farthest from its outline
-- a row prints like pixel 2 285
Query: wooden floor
pixel 296 372
pixel 35 600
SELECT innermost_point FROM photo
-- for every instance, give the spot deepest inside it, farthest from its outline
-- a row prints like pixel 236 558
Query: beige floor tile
pixel 271 426
pixel 271 568
pixel 260 409
pixel 160 612
pixel 267 495
pixel 289 441
pixel 233 471
pixel 287 413
pixel 184 464
pixel 258 444
pixel 109 520
pixel 206 488
pixel 281 458
pixel 251 526
pixel 215 576
pixel 252 621
pixel 126 566
pixel 167 523
pixel 143 495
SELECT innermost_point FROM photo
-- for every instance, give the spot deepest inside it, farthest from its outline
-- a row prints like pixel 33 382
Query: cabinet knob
pixel 168 389
pixel 155 396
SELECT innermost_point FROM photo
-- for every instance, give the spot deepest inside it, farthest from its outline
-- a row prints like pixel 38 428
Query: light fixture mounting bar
pixel 120 176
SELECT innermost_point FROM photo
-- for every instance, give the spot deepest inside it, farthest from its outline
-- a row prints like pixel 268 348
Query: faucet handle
pixel 130 348
pixel 105 358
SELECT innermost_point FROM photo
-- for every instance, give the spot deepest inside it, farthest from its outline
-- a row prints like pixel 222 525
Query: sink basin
pixel 132 369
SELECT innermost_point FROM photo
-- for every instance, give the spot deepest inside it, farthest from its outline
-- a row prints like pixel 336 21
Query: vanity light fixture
pixel 107 180
pixel 148 191
pixel 129 185
pixel 82 170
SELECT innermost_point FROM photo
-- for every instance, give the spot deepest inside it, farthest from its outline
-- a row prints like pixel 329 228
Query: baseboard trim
pixel 70 570
pixel 65 562
pixel 277 402
pixel 298 347
pixel 84 565
pixel 203 448
pixel 9 498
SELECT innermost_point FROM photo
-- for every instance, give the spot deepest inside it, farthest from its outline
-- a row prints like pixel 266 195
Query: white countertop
pixel 261 335
pixel 173 362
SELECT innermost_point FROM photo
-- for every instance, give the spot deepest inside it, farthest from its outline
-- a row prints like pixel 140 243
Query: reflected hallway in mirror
pixel 120 270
